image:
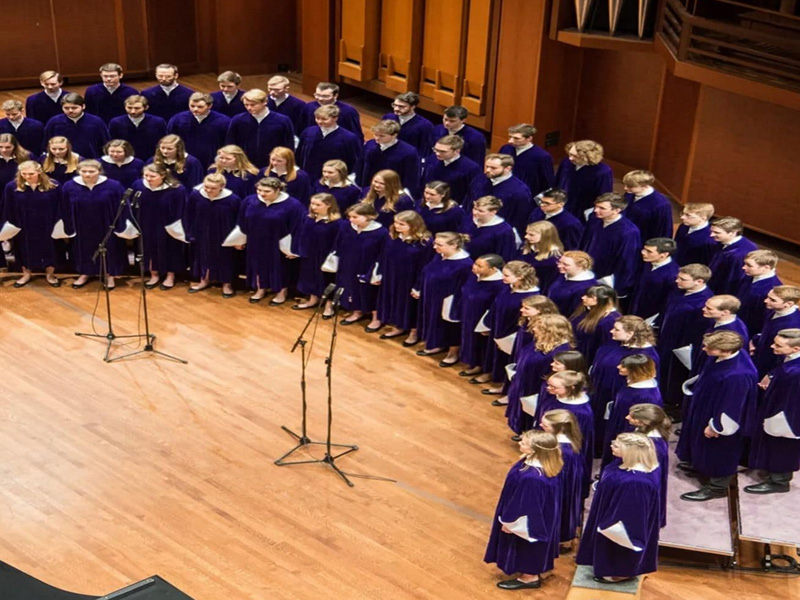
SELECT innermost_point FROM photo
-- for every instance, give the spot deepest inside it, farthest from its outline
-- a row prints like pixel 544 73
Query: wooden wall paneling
pixel 173 34
pixel 134 18
pixel 86 36
pixel 481 49
pixel 25 22
pixel 441 51
pixel 359 42
pixel 317 22
pixel 401 44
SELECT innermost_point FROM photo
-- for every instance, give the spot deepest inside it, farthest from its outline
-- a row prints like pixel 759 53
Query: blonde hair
pixel 550 243
pixel 491 203
pixel 216 179
pixel 581 259
pixel 20 154
pixel 642 332
pixel 564 422
pixel 540 302
pixel 418 231
pixel 638 178
pixel 44 184
pixel 327 111
pixel 763 258
pixel 792 336
pixel 451 238
pixel 124 144
pixel 243 164
pixel 589 151
pixel 340 167
pixel 545 449
pixel 574 382
pixel 701 209
pixel 329 200
pixel 787 293
pixel 392 191
pixel 636 449
pixel 524 272
pixel 287 155
pixel 726 341
pixel 180 153
pixel 162 171
pixel 551 331
pixel 255 95
pixel 49 164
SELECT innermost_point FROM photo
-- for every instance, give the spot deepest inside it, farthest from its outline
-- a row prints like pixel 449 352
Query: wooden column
pixel 401 44
pixel 358 46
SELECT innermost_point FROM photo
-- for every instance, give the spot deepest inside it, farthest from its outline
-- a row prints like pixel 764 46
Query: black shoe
pixel 491 393
pixel 298 307
pixel 389 336
pixel 407 344
pixel 347 323
pixel 688 469
pixel 444 364
pixel 327 317
pixel 476 381
pixel 516 584
pixel 373 329
pixel 254 300
pixel 613 581
pixel 56 283
pixel 194 290
pixel 498 403
pixel 434 353
pixel 516 438
pixel 17 284
pixel 149 286
pixel 165 288
pixel 274 302
pixel 77 286
pixel 227 295
pixel 768 487
pixel 703 494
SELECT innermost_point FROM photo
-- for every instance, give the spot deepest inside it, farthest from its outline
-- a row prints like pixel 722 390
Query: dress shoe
pixel 17 284
pixel 56 283
pixel 373 329
pixel 516 438
pixel 768 487
pixel 149 286
pixel 327 317
pixel 77 286
pixel 274 302
pixel 491 393
pixel 228 294
pixel 109 288
pixel 476 381
pixel 255 300
pixel 703 494
pixel 613 581
pixel 165 288
pixel 498 403
pixel 389 336
pixel 407 344
pixel 516 584
pixel 444 364
pixel 347 323
pixel 194 290
pixel 431 353
pixel 304 307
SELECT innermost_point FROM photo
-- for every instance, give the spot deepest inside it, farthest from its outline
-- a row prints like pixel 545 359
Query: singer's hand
pixel 239 247
pixel 415 294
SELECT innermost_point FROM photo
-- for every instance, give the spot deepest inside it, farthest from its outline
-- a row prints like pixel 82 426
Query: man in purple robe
pixel 259 130
pixel 140 129
pixel 584 176
pixel 614 244
pixel 414 129
pixel 327 141
pixel 29 132
pixel 46 104
pixel 550 207
pixel 454 123
pixel 501 183
pixel 87 133
pixel 781 303
pixel 107 100
pixel 386 151
pixel 281 101
pixel 695 244
pixel 532 164
pixel 327 94
pixel 489 233
pixel 648 209
pixel 202 130
pixel 726 265
pixel 722 397
pixel 656 279
pixel 448 165
pixel 776 440
pixel 760 278
pixel 723 311
pixel 228 100
pixel 169 97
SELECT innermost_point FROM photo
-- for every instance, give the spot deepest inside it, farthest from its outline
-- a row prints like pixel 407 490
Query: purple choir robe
pixel 572 477
pixel 88 213
pixel 8 171
pixel 615 249
pixel 358 251
pixel 291 107
pixel 476 298
pixel 587 343
pixel 228 108
pixel 417 131
pixel 143 137
pixel 42 107
pixel 662 453
pixel 620 538
pixel 88 135
pixel 316 242
pixel 700 358
pixel 502 319
pixel 644 392
pixel 474 142
pixel 652 288
pixel 439 220
pixel 29 134
pixel 695 247
pixel 723 398
pixel 192 174
pixel 751 294
pixel 776 440
pixel 259 139
pixel 546 269
pixel 126 173
pixel 531 367
pixel 35 213
pixel 346 195
pixel 441 279
pixel 314 149
pixel 581 408
pixel 516 198
pixel 763 357
pixel 726 266
pixel 348 118
pixel 494 237
pixel 385 215
pixel 402 158
pixel 59 172
pixel 265 225
pixel 569 227
pixel 158 208
pixel 243 185
pixel 652 214
pixel 202 139
pixel 529 505
pixel 399 268
pixel 534 166
pixel 208 223
pixel 583 185
pixel 107 105
pixel 166 105
pixel 566 293
pixel 681 324
pixel 299 187
pixel 459 175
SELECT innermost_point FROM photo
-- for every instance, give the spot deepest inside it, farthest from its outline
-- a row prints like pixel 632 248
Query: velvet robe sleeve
pixel 524 509
pixel 622 520
pixel 735 399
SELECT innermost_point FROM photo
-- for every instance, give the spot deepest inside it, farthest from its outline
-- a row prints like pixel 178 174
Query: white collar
pixel 16 124
pixel 608 223
pixel 496 276
pixel 78 119
pixel 553 214
pixel 764 276
pixel 644 385
pixel 639 467
pixel 647 191
pixel 653 433
pixel 389 145
pixel 584 276
pixel 525 291
pixel 702 289
pixel 455 131
pixel 783 313
pixel 434 206
pixel 341 184
pixel 137 120
pixel 562 438
pixel 728 322
pixel 658 265
pixel 501 179
pixel 522 149
pixel 461 254
pixel 202 118
pixel 282 197
pixel 223 194
pixel 792 356
pixel 735 240
pixel 326 131
pixel 534 462
pixel 79 180
pixel 373 225
pixel 229 97
pixel 110 89
pixel 495 220
pixel 163 186
pixel 694 228
pixel 451 160
pixel 128 160
pixel 581 398
pixel 168 89
pixel 53 96
pixel 722 358
pixel 262 116
pixel 406 118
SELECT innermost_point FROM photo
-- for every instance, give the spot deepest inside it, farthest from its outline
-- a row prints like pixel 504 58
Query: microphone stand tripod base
pixel 148 349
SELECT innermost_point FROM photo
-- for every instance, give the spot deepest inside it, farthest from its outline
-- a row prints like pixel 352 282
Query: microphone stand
pixel 150 338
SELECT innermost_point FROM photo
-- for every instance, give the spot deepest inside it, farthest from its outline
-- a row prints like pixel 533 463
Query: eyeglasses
pixel 440 151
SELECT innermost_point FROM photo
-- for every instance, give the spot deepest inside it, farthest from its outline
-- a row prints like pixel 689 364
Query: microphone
pixel 136 198
pixel 328 291
pixel 337 298
pixel 126 196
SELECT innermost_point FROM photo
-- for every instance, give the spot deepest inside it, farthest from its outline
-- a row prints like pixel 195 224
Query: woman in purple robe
pixel 11 156
pixel 404 255
pixel 440 280
pixel 32 203
pixel 575 277
pixel 652 421
pixel 620 539
pixel 60 163
pixel 490 233
pixel 541 248
pixel 593 320
pixel 584 176
pixel 317 235
pixel 211 213
pixel 171 154
pixel 240 174
pixel 386 194
pixel 271 222
pixel 525 528
pixel 282 166
pixel 89 204
pixel 568 360
pixel 439 211
pixel 358 247
pixel 563 424
pixel 641 387
pixel 162 205
pixel 335 181
pixel 120 164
